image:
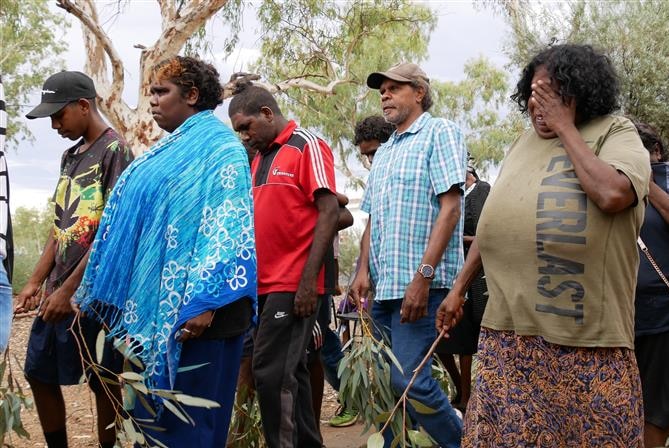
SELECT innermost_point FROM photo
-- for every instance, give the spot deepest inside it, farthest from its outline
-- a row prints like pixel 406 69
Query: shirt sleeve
pixel 448 161
pixel 118 158
pixel 623 150
pixel 317 168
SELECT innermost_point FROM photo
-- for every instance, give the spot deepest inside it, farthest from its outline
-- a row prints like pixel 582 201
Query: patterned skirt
pixel 531 393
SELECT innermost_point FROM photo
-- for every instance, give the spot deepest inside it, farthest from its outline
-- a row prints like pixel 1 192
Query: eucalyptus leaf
pixel 131 376
pixel 196 401
pixel 100 346
pixel 375 440
pixel 174 410
pixel 421 408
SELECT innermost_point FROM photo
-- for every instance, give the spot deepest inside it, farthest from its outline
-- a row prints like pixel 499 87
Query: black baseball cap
pixel 60 90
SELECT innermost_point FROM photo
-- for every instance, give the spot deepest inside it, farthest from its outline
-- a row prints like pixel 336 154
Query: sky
pixel 462 33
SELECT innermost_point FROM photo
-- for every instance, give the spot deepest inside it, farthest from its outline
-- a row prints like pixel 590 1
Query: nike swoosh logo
pixel 280 314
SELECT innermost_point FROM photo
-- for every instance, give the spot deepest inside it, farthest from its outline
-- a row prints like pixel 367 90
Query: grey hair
pixel 426 102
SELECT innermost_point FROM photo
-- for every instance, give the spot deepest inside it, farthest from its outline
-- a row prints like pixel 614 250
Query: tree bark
pixel 136 124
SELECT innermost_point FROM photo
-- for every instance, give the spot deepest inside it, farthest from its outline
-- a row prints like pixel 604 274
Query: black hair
pixel 581 73
pixel 374 127
pixel 473 172
pixel 651 139
pixel 187 72
pixel 249 99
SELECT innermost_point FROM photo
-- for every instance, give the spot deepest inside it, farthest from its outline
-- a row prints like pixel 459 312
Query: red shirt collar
pixel 284 135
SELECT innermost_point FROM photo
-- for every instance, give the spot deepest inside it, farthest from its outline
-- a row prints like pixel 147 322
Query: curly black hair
pixel 187 72
pixel 580 72
pixel 374 127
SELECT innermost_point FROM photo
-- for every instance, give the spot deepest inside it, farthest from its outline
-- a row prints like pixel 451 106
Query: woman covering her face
pixel 557 237
pixel 173 269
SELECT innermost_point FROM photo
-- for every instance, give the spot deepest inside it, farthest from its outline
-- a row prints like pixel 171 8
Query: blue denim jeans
pixel 331 352
pixel 6 311
pixel 410 343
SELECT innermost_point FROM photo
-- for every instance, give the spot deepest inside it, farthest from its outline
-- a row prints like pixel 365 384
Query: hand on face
pixel 549 113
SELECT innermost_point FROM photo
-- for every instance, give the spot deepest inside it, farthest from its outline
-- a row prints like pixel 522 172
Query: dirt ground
pixel 80 409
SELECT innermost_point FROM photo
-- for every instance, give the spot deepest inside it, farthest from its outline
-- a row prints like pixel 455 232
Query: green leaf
pixel 131 376
pixel 129 398
pixel 100 346
pixel 156 441
pixel 169 405
pixel 382 418
pixel 375 440
pixel 421 408
pixel 129 430
pixel 164 393
pixel 145 404
pixel 419 439
pixel 196 401
pixel 188 368
pixel 141 387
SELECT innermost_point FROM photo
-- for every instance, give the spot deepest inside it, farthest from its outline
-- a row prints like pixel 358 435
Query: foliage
pixel 28 50
pixel 629 31
pixel 345 41
pixel 477 104
pixel 136 392
pixel 12 402
pixel 31 229
pixel 200 43
pixel 246 422
pixel 349 248
pixel 365 378
pixel 339 41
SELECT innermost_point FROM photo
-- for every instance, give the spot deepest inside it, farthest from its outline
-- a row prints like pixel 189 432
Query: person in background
pixel 296 214
pixel 557 237
pixel 173 271
pixel 370 133
pixel 463 339
pixel 651 323
pixel 88 171
pixel 412 246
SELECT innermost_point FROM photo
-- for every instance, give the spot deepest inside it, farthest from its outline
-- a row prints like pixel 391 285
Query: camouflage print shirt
pixel 86 179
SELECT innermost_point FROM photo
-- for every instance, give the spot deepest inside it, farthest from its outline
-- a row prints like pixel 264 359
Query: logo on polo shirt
pixel 48 91
pixel 277 172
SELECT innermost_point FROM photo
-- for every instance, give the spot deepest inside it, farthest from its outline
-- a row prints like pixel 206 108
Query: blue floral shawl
pixel 175 240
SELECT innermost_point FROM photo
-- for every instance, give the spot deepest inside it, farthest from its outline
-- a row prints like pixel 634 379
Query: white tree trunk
pixel 136 125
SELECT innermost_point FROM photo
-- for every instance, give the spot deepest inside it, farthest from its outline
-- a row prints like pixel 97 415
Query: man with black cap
pixel 411 249
pixel 88 172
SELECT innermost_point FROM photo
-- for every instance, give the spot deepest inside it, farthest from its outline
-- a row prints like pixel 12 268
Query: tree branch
pixel 91 23
pixel 237 79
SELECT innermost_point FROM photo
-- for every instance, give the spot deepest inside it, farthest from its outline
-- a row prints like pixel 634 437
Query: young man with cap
pixel 88 172
pixel 411 249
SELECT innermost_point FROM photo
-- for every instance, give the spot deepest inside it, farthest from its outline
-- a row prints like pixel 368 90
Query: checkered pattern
pixel 408 173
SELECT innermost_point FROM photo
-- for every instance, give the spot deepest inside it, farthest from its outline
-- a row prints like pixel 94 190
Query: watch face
pixel 426 271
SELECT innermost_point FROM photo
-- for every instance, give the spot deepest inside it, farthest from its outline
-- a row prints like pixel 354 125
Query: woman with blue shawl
pixel 173 268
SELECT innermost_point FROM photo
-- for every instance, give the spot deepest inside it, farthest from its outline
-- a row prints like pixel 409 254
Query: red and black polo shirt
pixel 285 178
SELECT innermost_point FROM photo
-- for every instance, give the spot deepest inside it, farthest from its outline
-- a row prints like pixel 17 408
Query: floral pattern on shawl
pixel 176 240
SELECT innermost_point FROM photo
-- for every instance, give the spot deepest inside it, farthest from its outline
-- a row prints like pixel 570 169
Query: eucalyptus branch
pixel 403 398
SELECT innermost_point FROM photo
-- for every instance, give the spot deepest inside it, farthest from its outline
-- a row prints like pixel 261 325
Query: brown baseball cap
pixel 403 72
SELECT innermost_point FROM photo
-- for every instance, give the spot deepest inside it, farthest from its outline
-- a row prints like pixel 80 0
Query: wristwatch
pixel 426 271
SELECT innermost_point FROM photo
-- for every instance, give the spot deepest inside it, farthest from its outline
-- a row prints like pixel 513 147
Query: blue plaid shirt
pixel 408 173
